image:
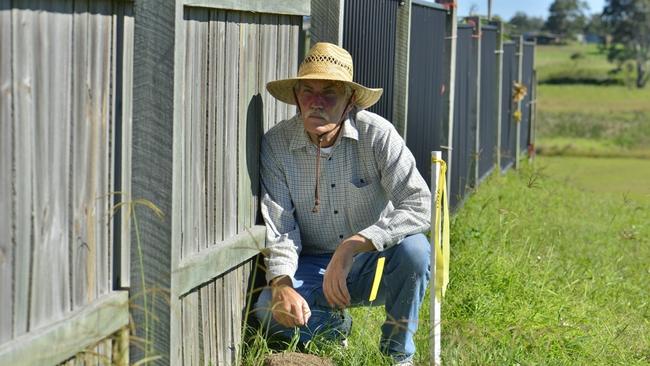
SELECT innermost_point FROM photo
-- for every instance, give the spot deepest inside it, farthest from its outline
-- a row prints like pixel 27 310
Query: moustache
pixel 316 113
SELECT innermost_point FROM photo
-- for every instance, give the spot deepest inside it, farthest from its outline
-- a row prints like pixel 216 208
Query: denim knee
pixel 414 252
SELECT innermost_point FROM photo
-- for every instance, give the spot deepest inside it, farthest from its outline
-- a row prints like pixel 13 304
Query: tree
pixel 524 24
pixel 629 21
pixel 566 17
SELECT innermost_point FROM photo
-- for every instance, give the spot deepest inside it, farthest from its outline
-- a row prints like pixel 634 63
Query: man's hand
pixel 335 285
pixel 287 306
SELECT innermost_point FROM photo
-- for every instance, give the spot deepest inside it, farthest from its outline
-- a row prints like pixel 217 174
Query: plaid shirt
pixel 369 185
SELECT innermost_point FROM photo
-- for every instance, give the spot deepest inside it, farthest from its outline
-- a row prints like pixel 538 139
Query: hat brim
pixel 283 90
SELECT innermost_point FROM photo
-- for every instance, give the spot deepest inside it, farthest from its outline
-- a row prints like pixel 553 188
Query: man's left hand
pixel 335 285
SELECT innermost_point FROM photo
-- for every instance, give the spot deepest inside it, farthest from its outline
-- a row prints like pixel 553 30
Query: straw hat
pixel 325 61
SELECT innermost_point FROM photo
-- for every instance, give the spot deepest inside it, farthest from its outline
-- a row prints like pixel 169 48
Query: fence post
pixel 435 318
pixel 499 89
pixel 451 31
pixel 477 34
pixel 520 64
pixel 401 77
pixel 327 21
pixel 533 110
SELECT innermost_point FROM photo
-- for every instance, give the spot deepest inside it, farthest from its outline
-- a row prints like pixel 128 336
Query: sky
pixel 507 8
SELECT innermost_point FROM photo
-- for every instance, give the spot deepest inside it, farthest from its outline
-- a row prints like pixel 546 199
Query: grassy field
pixel 589 120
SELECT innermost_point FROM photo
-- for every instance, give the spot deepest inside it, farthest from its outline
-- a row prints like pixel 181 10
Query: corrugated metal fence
pixel 369 32
pixel 426 84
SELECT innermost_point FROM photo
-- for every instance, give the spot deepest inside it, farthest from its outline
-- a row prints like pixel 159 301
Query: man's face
pixel 322 103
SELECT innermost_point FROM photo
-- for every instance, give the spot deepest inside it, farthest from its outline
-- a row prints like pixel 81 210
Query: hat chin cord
pixel 321 137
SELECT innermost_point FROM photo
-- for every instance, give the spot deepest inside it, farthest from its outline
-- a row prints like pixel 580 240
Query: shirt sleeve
pixel 283 244
pixel 406 189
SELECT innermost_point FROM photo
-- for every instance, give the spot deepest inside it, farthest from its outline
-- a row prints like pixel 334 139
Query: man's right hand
pixel 288 307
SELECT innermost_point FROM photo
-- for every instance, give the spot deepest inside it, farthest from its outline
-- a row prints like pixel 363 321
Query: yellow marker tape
pixel 441 244
pixel 375 282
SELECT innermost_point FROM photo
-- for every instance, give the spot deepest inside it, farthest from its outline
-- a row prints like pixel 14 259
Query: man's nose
pixel 318 101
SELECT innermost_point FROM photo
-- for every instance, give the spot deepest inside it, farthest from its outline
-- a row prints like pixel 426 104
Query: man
pixel 340 189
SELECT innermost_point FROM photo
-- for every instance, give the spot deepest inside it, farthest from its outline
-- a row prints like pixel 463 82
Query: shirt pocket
pixel 365 202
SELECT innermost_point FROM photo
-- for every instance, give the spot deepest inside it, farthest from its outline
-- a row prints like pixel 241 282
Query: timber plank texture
pixel 229 56
pixel 58 108
pixel 6 178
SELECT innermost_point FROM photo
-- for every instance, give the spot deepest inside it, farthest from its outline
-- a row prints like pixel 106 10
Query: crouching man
pixel 340 189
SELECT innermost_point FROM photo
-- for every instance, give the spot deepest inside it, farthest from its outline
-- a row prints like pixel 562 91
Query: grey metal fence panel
pixel 464 146
pixel 489 100
pixel 508 128
pixel 527 78
pixel 369 35
pixel 426 84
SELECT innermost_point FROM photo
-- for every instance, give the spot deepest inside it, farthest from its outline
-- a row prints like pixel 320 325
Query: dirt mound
pixel 296 359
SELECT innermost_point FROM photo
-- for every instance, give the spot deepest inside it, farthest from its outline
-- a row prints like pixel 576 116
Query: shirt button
pixel 340 236
pixel 333 185
pixel 330 158
pixel 335 212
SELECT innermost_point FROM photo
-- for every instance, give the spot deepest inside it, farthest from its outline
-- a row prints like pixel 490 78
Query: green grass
pixel 554 64
pixel 545 273
pixel 593 99
pixel 621 178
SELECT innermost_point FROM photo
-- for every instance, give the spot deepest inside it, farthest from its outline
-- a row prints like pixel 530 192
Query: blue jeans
pixel 402 288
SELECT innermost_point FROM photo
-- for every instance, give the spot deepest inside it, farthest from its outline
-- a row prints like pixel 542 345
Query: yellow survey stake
pixel 375 282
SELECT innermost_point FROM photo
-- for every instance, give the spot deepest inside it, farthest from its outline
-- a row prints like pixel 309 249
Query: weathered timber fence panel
pixel 426 84
pixel 369 32
pixel 508 128
pixel 228 57
pixel 464 147
pixel 527 78
pixel 489 101
pixel 60 110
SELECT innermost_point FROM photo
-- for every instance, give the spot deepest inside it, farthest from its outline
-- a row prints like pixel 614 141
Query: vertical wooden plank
pixel 228 341
pixel 6 175
pixel 51 138
pixel 185 162
pixel 282 65
pixel 218 51
pixel 81 159
pixel 231 108
pixel 268 60
pixel 214 180
pixel 23 65
pixel 101 64
pixel 126 127
pixel 248 116
pixel 220 338
pixel 207 203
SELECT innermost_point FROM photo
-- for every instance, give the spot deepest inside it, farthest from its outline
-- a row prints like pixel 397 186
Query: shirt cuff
pixel 379 237
pixel 280 270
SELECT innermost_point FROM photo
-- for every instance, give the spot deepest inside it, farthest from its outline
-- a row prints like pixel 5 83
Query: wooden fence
pixel 113 113
pixel 129 141
pixel 64 75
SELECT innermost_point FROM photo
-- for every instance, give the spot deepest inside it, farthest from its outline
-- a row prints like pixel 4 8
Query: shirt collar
pixel 301 139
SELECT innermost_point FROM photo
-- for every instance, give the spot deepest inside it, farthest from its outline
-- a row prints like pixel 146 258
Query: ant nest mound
pixel 296 359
